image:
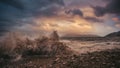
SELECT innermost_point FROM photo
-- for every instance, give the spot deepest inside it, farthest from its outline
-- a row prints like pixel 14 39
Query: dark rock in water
pixel 114 34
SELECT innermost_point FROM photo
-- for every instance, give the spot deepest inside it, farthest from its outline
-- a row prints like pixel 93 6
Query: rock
pixel 57 59
pixel 64 63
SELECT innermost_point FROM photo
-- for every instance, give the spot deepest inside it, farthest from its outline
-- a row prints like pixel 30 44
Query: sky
pixel 68 17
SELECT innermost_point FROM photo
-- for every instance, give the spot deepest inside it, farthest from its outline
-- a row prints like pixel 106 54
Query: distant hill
pixel 84 35
pixel 114 34
pixel 80 37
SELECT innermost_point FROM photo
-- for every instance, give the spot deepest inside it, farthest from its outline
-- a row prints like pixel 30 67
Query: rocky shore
pixel 102 59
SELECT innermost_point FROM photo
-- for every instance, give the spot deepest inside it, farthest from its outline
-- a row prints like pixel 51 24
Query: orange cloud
pixel 115 19
pixel 117 25
pixel 64 25
pixel 88 11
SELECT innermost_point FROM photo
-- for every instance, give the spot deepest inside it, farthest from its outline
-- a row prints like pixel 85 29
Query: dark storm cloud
pixel 75 12
pixel 19 4
pixel 60 2
pixel 13 3
pixel 99 11
pixel 50 11
pixel 78 12
pixel 12 12
pixel 93 19
pixel 8 16
pixel 111 8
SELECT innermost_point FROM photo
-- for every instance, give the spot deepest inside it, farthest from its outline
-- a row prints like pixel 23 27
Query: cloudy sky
pixel 68 17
